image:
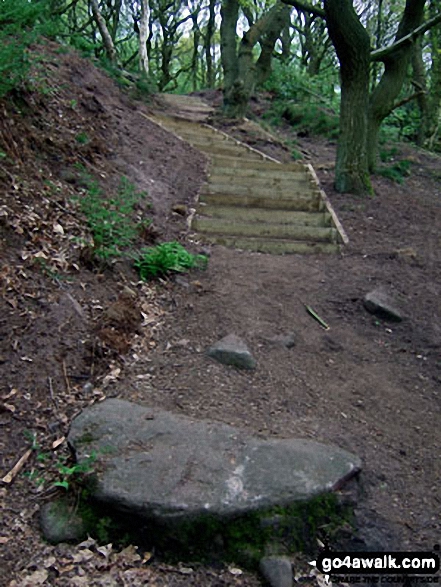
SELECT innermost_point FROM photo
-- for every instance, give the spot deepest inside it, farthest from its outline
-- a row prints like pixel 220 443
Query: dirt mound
pixel 73 333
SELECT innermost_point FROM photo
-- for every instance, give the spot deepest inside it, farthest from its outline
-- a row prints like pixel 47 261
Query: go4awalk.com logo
pixel 390 567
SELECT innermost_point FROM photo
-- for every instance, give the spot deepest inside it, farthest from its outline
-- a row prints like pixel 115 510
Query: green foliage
pixel 288 82
pixel 73 474
pixel 21 23
pixel 111 220
pixel 164 258
pixel 54 470
pixel 394 168
pixel 306 118
pixel 397 172
pixel 82 138
pixel 244 539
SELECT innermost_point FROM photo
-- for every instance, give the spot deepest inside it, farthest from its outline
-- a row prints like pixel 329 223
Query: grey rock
pixel 59 522
pixel 381 304
pixel 172 468
pixel 232 350
pixel 277 570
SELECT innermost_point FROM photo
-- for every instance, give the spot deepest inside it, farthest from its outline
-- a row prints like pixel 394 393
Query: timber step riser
pixel 279 247
pixel 251 201
pixel 254 215
pixel 300 204
pixel 218 226
pixel 257 176
pixel 296 189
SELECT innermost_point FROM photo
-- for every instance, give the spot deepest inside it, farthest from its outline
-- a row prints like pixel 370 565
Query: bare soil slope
pixel 73 333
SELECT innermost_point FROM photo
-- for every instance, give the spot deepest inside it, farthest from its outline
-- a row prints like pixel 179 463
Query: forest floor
pixel 74 333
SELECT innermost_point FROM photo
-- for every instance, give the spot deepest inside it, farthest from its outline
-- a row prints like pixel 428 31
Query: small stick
pixel 17 468
pixel 66 378
pixel 317 317
pixel 51 391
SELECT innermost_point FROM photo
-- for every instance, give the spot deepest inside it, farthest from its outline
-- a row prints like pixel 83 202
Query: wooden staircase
pixel 250 200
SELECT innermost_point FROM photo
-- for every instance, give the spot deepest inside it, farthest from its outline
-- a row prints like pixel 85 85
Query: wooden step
pixel 265 215
pixel 233 151
pixel 295 232
pixel 252 201
pixel 260 172
pixel 279 191
pixel 228 162
pixel 273 247
pixel 283 186
pixel 299 202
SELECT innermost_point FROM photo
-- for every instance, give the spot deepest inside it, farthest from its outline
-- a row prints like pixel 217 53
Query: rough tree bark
pixel 143 36
pixel 211 27
pixel 396 64
pixel 352 44
pixel 241 72
pixel 104 31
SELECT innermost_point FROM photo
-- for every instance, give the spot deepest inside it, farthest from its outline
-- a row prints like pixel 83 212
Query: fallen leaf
pixel 58 442
pixel 235 571
pixel 37 578
pixel 106 551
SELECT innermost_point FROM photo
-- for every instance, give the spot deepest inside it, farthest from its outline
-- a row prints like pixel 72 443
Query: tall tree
pixel 143 36
pixel 396 64
pixel 241 71
pixel 360 114
pixel 104 31
pixel 352 45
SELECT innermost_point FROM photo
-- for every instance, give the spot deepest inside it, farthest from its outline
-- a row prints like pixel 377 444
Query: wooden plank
pixel 273 247
pixel 256 215
pixel 307 203
pixel 276 191
pixel 262 230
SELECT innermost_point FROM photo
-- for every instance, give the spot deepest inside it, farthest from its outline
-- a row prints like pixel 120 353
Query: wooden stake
pixel 17 468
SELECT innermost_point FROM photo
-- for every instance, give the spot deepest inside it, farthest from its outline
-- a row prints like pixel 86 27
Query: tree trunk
pixel 420 83
pixel 229 16
pixel 434 97
pixel 143 36
pixel 352 45
pixel 104 31
pixel 276 27
pixel 396 65
pixel 240 69
pixel 211 27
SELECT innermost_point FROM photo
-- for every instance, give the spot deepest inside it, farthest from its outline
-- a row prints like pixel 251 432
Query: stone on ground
pixel 232 350
pixel 277 570
pixel 381 304
pixel 173 469
pixel 60 522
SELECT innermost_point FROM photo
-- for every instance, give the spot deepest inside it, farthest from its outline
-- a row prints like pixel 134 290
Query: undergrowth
pixel 111 220
pixel 393 168
pixel 164 258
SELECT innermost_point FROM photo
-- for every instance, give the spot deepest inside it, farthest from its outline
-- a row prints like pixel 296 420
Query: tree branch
pixel 383 53
pixel 408 99
pixel 305 7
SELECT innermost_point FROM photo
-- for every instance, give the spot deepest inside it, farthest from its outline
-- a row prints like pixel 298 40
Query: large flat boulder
pixel 169 467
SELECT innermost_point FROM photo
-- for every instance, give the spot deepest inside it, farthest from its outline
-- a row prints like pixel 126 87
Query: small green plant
pixel 396 172
pixel 82 138
pixel 53 470
pixel 165 258
pixel 111 220
pixel 70 475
